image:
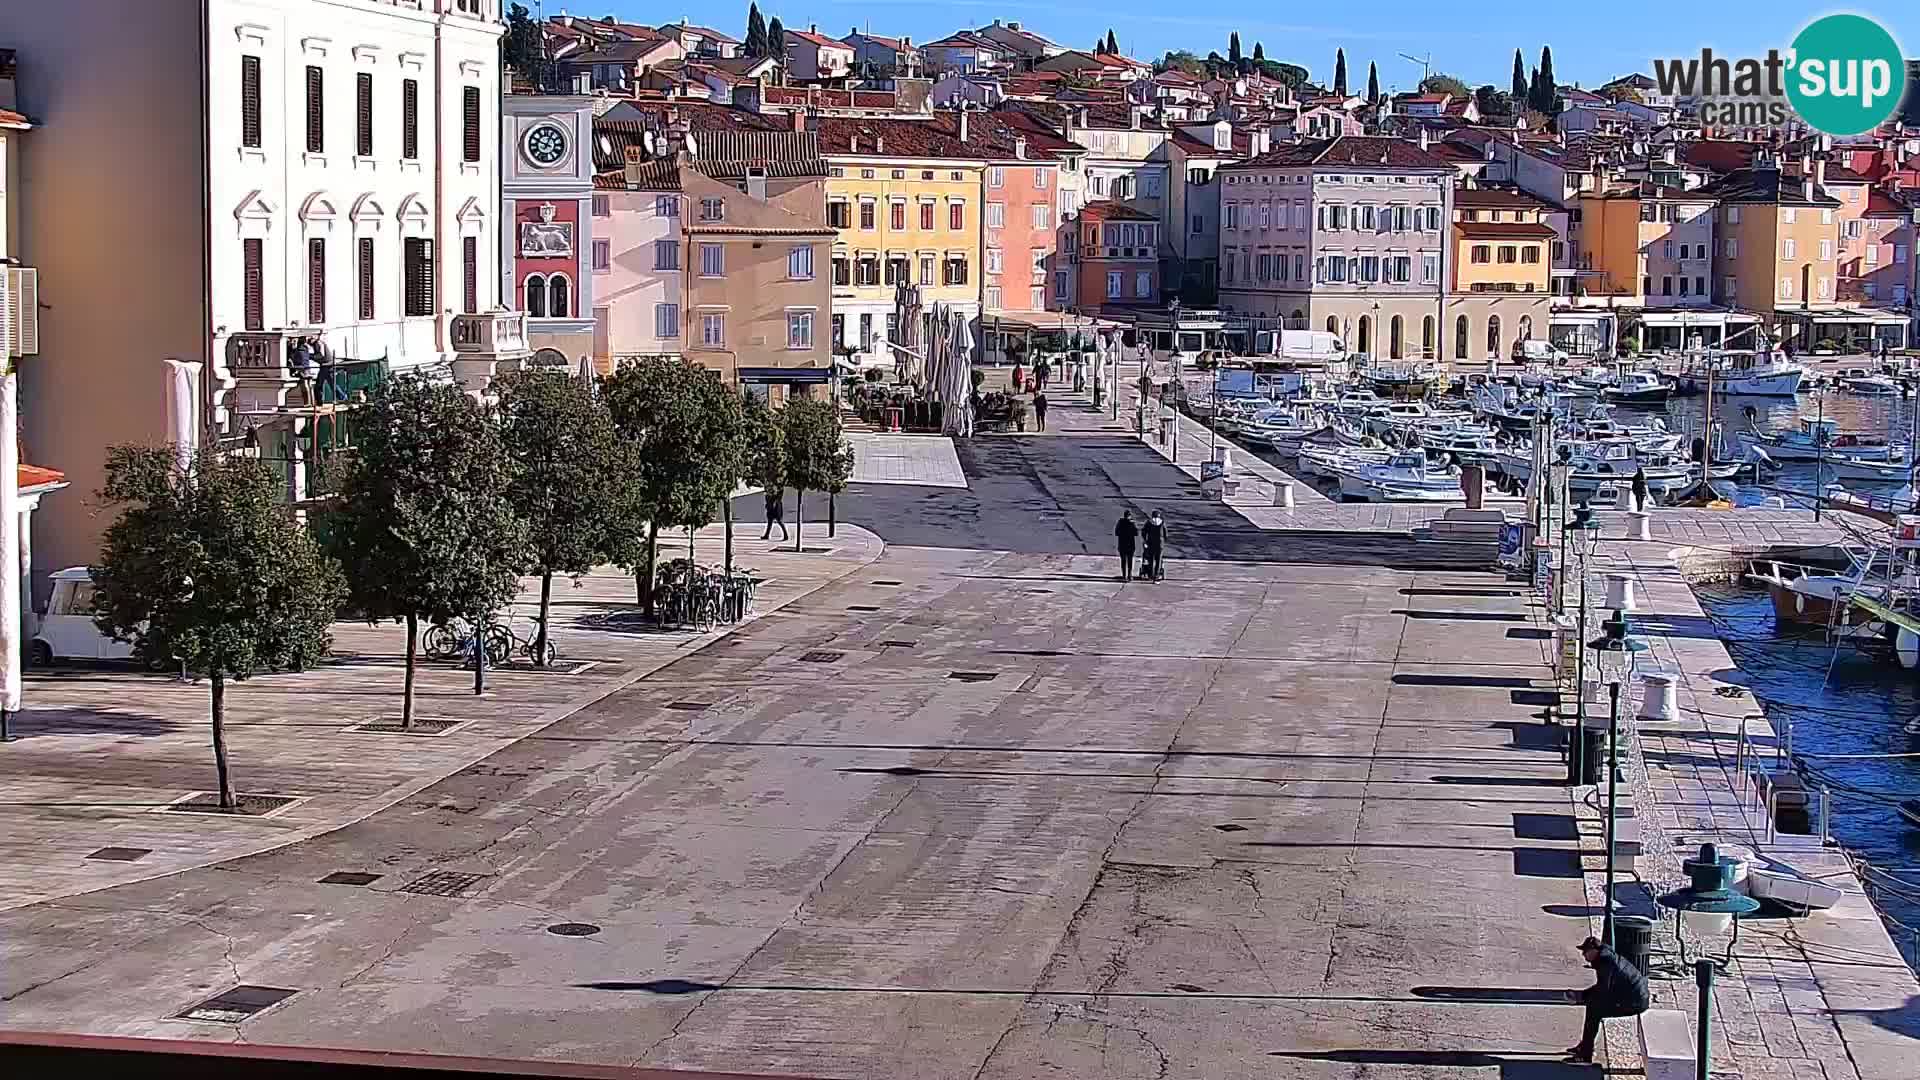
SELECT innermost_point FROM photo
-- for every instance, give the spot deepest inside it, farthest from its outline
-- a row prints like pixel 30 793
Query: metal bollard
pixel 1773 810
pixel 1826 822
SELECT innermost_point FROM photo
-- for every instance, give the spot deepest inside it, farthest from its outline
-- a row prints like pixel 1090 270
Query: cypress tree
pixel 1113 44
pixel 776 39
pixel 1259 53
pixel 756 32
pixel 1373 84
pixel 1520 86
pixel 1340 72
pixel 1549 89
pixel 1233 48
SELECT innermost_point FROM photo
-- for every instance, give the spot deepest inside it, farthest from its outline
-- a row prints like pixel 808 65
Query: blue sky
pixel 1592 41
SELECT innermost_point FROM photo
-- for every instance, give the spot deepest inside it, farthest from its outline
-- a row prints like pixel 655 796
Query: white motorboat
pixel 1326 462
pixel 1745 373
pixel 1281 423
pixel 1894 471
pixel 1872 385
pixel 1404 477
pixel 1461 447
pixel 1611 461
pixel 1357 403
pixel 1821 439
pixel 1638 388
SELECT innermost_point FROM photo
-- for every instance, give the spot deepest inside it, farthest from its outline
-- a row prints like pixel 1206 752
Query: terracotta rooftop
pixel 1496 198
pixel 1505 230
pixel 671 29
pixel 1720 155
pixel 820 40
pixel 616 52
pixel 9 118
pixel 1353 152
pixel 1105 210
pixel 990 137
pixel 32 476
pixel 1765 186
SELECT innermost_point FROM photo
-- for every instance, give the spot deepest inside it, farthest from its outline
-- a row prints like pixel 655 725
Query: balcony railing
pixel 1503 287
pixel 496 332
pixel 261 355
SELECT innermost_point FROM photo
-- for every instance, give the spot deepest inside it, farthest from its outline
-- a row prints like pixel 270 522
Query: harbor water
pixel 1839 702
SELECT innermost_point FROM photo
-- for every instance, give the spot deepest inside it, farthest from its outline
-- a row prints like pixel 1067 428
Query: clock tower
pixel 546 182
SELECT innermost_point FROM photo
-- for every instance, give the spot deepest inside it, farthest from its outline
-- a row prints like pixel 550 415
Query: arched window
pixel 1333 325
pixel 535 298
pixel 1298 318
pixel 1396 331
pixel 1493 337
pixel 1364 343
pixel 559 297
pixel 1526 328
pixel 1426 338
pixel 1460 336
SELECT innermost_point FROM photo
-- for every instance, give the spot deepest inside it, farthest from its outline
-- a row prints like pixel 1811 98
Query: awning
pixel 1686 319
pixel 1834 317
pixel 1577 318
pixel 1044 321
pixel 783 375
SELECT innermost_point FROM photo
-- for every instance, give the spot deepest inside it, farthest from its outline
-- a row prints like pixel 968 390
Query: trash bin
pixel 1473 481
pixel 1633 939
pixel 1589 755
pixel 1166 429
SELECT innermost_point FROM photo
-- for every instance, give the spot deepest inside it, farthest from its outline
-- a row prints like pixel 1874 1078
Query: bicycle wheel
pixel 543 657
pixel 439 642
pixel 499 644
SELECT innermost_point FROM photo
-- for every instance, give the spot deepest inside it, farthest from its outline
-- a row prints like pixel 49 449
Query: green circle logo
pixel 1845 75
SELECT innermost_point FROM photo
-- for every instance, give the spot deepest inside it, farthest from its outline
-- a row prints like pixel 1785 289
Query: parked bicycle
pixel 688 594
pixel 454 640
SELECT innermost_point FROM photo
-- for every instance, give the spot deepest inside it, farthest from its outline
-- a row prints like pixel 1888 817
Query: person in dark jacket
pixel 1640 488
pixel 776 513
pixel 1040 407
pixel 1154 535
pixel 1042 373
pixel 1620 989
pixel 1125 533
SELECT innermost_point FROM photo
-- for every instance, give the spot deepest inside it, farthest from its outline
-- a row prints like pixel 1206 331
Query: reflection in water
pixel 1888 416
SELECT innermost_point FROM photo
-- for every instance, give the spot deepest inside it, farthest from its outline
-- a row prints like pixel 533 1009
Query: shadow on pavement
pixel 1513 1064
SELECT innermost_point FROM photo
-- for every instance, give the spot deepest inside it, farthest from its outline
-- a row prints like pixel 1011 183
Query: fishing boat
pixel 1746 373
pixel 1357 403
pixel 1821 439
pixel 1871 385
pixel 1812 597
pixel 1638 388
pixel 1326 462
pixel 1894 471
pixel 1460 447
pixel 1400 380
pixel 1404 477
pixel 1287 423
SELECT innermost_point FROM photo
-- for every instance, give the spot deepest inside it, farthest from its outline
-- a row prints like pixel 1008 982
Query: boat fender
pixel 1799 604
pixel 1906 648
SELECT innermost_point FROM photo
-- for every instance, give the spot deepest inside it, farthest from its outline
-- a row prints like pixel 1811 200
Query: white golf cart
pixel 66 631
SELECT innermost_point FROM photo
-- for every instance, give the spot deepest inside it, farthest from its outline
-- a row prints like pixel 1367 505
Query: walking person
pixel 1041 372
pixel 1125 533
pixel 1019 377
pixel 1040 409
pixel 776 513
pixel 1619 990
pixel 1154 533
pixel 1640 488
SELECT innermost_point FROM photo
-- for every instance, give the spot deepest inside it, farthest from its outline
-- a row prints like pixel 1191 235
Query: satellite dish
pixel 606 146
pixel 650 141
pixel 693 148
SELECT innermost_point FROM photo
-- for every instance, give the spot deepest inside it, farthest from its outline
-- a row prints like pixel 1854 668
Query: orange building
pixel 1116 253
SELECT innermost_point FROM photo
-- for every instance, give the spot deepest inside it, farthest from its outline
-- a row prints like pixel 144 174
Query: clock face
pixel 546 144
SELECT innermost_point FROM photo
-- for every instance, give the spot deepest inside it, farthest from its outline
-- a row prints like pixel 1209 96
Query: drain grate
pixel 573 929
pixel 349 877
pixel 207 802
pixel 972 676
pixel 898 644
pixel 689 706
pixel 423 726
pixel 861 607
pixel 237 1004
pixel 120 854
pixel 821 656
pixel 889 583
pixel 442 883
pixel 1231 828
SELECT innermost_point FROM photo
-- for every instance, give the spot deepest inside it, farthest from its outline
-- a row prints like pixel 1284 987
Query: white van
pixel 66 631
pixel 1535 351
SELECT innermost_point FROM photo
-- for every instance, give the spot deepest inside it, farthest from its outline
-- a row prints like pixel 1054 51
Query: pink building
pixel 1876 254
pixel 1020 229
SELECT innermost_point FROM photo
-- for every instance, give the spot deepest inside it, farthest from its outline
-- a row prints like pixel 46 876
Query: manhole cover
pixel 861 607
pixel 442 883
pixel 573 929
pixel 897 644
pixel 237 1004
pixel 207 802
pixel 349 877
pixel 689 706
pixel 971 676
pixel 821 656
pixel 120 854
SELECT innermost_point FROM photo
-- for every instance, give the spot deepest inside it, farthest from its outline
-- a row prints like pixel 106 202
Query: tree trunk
pixel 799 514
pixel 646 572
pixel 218 683
pixel 413 652
pixel 546 607
pixel 726 518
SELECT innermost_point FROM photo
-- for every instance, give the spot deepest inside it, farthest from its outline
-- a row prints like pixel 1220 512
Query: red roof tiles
pixel 1355 152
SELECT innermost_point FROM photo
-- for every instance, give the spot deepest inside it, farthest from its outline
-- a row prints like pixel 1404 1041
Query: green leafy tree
pixel 1293 75
pixel 776 39
pixel 1340 72
pixel 1623 92
pixel 1492 102
pixel 1520 86
pixel 1183 61
pixel 1373 83
pixel 1445 84
pixel 570 477
pixel 818 457
pixel 1233 48
pixel 763 452
pixel 756 44
pixel 524 47
pixel 425 524
pixel 206 569
pixel 682 426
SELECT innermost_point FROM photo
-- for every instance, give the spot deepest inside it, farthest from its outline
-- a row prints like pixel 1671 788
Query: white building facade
pixel 324 207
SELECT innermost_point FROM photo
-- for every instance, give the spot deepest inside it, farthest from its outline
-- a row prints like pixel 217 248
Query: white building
pixel 334 177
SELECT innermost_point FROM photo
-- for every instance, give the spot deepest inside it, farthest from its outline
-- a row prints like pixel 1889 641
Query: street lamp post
pixel 1616 655
pixel 1585 533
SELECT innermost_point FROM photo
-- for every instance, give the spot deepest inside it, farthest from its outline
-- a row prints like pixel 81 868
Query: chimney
pixel 1820 172
pixel 879 144
pixel 813 28
pixel 7 70
pixel 757 184
pixel 583 82
pixel 963 122
pixel 1020 147
pixel 1806 187
pixel 1080 116
pixel 1013 26
pixel 853 143
pixel 799 120
pixel 1424 137
pixel 1133 118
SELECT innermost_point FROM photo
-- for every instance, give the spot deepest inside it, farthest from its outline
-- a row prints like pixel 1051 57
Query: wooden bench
pixel 1460 523
pixel 1666 1041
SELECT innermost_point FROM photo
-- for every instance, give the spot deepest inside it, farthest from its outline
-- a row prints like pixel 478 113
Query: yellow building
pixel 1498 288
pixel 1648 253
pixel 1775 255
pixel 905 198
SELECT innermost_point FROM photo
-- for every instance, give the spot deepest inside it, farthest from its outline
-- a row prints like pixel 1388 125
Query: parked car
pixel 1535 351
pixel 66 630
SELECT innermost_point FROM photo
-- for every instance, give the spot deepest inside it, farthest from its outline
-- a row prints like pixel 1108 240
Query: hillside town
pixel 559 544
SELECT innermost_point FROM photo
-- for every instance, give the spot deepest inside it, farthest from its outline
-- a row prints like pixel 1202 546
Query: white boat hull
pixel 1776 384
